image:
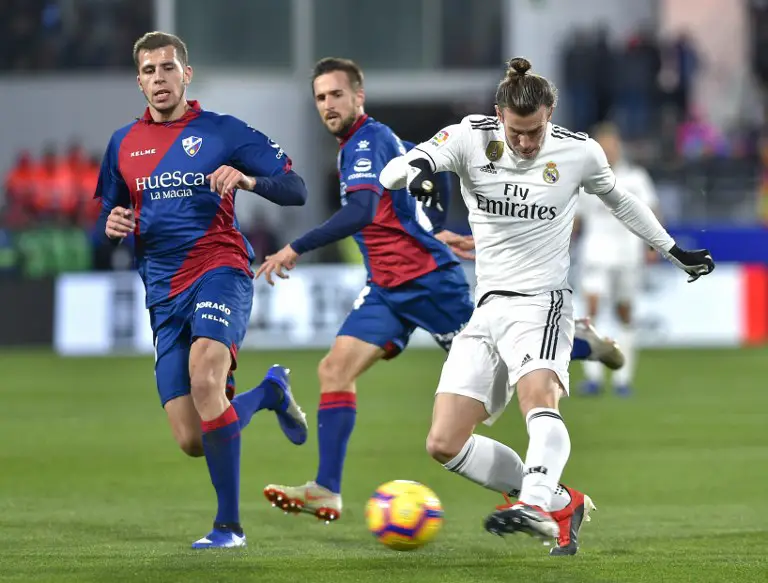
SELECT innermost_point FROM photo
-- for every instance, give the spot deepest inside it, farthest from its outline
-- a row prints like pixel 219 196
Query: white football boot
pixel 308 498
pixel 604 350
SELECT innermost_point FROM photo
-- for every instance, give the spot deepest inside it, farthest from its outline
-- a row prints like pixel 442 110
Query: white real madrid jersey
pixel 521 211
pixel 604 239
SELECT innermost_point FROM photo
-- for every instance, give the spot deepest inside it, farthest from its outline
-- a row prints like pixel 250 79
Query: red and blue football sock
pixel 267 395
pixel 221 443
pixel 335 422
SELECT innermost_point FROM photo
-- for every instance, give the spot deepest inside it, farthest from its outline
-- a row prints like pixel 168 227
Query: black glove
pixel 422 184
pixel 694 263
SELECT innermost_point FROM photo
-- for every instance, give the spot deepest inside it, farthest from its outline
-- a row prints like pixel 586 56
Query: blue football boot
pixel 293 421
pixel 220 538
pixel 590 388
pixel 623 390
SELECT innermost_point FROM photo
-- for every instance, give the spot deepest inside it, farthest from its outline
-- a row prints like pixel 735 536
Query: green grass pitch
pixel 92 487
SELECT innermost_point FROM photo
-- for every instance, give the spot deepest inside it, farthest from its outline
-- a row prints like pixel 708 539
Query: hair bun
pixel 518 67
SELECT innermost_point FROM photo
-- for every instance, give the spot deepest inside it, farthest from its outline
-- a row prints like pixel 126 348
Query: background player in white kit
pixel 612 260
pixel 520 179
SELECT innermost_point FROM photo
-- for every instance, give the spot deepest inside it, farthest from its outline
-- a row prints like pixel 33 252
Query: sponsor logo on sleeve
pixel 362 165
pixel 362 169
pixel 439 139
pixel 279 151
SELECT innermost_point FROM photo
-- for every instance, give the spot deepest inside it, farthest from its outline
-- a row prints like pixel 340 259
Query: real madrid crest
pixel 551 173
pixel 494 150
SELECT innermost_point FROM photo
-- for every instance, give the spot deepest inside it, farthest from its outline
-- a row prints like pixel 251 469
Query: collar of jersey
pixel 193 110
pixel 355 126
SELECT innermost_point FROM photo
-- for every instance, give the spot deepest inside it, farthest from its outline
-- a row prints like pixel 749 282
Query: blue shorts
pixel 216 306
pixel 439 302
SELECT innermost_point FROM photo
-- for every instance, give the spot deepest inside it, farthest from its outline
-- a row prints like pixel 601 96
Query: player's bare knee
pixel 546 398
pixel 333 374
pixel 539 389
pixel 208 388
pixel 443 447
pixel 208 366
pixel 203 382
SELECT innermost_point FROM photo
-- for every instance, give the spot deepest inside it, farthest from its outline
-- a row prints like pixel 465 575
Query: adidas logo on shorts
pixel 488 168
pixel 526 360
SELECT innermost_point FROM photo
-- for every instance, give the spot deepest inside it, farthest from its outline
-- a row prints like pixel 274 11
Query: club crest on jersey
pixel 494 150
pixel 440 138
pixel 191 145
pixel 551 173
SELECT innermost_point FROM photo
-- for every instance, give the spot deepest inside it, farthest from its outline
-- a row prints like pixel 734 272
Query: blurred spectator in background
pixel 680 63
pixel 579 74
pixel 698 138
pixel 638 97
pixel 18 191
pixel 605 67
pixel 759 19
pixel 56 189
pixel 40 35
pixel 50 185
pixel 89 207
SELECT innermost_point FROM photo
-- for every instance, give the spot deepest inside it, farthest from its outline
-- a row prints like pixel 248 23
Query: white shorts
pixel 506 338
pixel 620 283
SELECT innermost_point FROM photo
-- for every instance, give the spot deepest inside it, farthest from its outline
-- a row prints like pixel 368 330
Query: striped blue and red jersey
pixel 398 246
pixel 183 229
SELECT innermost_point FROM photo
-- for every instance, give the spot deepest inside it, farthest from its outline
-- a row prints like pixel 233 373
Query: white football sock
pixel 490 464
pixel 593 371
pixel 626 339
pixel 549 446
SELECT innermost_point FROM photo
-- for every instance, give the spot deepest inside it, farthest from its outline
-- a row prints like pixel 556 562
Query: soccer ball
pixel 404 515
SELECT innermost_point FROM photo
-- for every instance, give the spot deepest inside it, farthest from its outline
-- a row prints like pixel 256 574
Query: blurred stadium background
pixel 91 486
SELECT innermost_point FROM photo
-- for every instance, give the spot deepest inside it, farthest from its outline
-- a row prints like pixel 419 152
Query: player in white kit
pixel 612 260
pixel 520 179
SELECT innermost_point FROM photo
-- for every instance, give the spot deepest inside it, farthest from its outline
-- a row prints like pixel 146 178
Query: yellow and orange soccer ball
pixel 404 515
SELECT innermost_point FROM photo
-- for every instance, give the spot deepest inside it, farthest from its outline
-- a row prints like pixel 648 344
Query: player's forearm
pixel 394 174
pixel 285 189
pixel 638 218
pixel 355 215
